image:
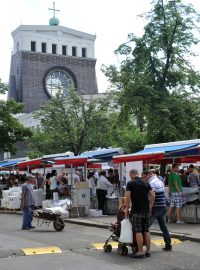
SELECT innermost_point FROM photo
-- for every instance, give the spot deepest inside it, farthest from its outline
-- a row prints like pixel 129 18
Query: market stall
pixel 167 153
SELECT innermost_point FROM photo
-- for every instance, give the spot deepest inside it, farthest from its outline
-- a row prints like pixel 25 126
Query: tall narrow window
pixel 54 48
pixel 64 50
pixel 33 46
pixel 17 46
pixel 44 47
pixel 84 52
pixel 73 51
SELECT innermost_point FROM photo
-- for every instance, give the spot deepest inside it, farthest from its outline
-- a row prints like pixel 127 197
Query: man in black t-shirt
pixel 141 196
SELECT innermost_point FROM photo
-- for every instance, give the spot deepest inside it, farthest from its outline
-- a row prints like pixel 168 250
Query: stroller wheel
pixel 107 248
pixel 119 250
pixel 122 249
pixel 125 251
pixel 134 250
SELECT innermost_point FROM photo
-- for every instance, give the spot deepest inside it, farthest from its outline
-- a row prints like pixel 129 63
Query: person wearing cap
pixel 159 208
pixel 28 202
pixel 145 175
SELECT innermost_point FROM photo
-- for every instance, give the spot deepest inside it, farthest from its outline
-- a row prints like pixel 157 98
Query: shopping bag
pixel 126 234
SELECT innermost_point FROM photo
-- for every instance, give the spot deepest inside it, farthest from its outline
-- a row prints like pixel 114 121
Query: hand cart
pixel 45 217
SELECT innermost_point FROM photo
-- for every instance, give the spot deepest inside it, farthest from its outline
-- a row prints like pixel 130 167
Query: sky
pixel 110 20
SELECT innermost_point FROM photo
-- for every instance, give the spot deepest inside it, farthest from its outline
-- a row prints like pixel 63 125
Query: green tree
pixel 175 118
pixel 128 136
pixel 11 131
pixel 3 87
pixel 73 124
pixel 156 82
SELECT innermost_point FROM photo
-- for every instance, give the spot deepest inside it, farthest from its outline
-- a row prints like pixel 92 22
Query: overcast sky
pixel 110 20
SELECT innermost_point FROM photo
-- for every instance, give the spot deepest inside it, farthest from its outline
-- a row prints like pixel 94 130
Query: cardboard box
pixel 39 196
pixel 65 215
pixel 4 203
pixel 121 201
pixel 5 194
pixel 14 202
pixel 15 189
pixel 81 197
pixel 16 193
pixel 81 185
pixel 46 204
pixel 95 213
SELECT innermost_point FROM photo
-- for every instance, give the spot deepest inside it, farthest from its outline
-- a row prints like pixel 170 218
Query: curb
pixel 193 239
pixel 12 212
pixel 89 224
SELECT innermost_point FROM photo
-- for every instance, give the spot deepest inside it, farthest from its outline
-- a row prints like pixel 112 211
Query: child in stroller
pixel 116 229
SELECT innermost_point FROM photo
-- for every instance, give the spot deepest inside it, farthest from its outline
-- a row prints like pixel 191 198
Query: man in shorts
pixel 141 196
pixel 175 193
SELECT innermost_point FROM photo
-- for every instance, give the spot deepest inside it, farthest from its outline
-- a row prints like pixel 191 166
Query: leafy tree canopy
pixel 156 82
pixel 11 130
pixel 73 124
pixel 3 87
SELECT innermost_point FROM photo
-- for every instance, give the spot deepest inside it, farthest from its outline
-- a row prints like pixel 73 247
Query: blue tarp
pixel 103 153
pixel 182 149
pixel 10 163
pixel 185 152
pixel 97 155
pixel 171 149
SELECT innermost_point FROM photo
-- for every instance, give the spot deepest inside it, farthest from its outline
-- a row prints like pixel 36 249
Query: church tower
pixel 47 59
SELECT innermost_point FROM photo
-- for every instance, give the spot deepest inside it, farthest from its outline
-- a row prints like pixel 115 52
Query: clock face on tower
pixel 58 81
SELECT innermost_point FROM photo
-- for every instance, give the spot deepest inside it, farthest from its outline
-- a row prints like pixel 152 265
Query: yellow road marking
pixel 176 241
pixel 160 242
pixel 157 242
pixel 41 250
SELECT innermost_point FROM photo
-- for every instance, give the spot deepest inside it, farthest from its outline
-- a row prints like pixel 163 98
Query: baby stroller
pixel 116 229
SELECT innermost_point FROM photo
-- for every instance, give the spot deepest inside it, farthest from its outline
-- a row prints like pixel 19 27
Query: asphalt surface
pixel 76 241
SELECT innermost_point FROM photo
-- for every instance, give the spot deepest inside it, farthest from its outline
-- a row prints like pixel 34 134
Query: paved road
pixel 75 242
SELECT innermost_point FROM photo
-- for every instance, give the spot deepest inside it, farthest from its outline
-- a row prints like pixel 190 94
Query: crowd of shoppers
pixel 146 194
pixel 145 201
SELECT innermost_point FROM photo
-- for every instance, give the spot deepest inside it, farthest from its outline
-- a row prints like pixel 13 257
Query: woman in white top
pixel 53 183
pixel 91 182
pixel 102 186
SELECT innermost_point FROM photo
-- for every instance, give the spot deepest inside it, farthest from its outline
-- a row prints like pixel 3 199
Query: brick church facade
pixel 39 50
pixel 47 59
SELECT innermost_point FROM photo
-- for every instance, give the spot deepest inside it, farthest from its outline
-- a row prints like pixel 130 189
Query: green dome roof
pixel 54 21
